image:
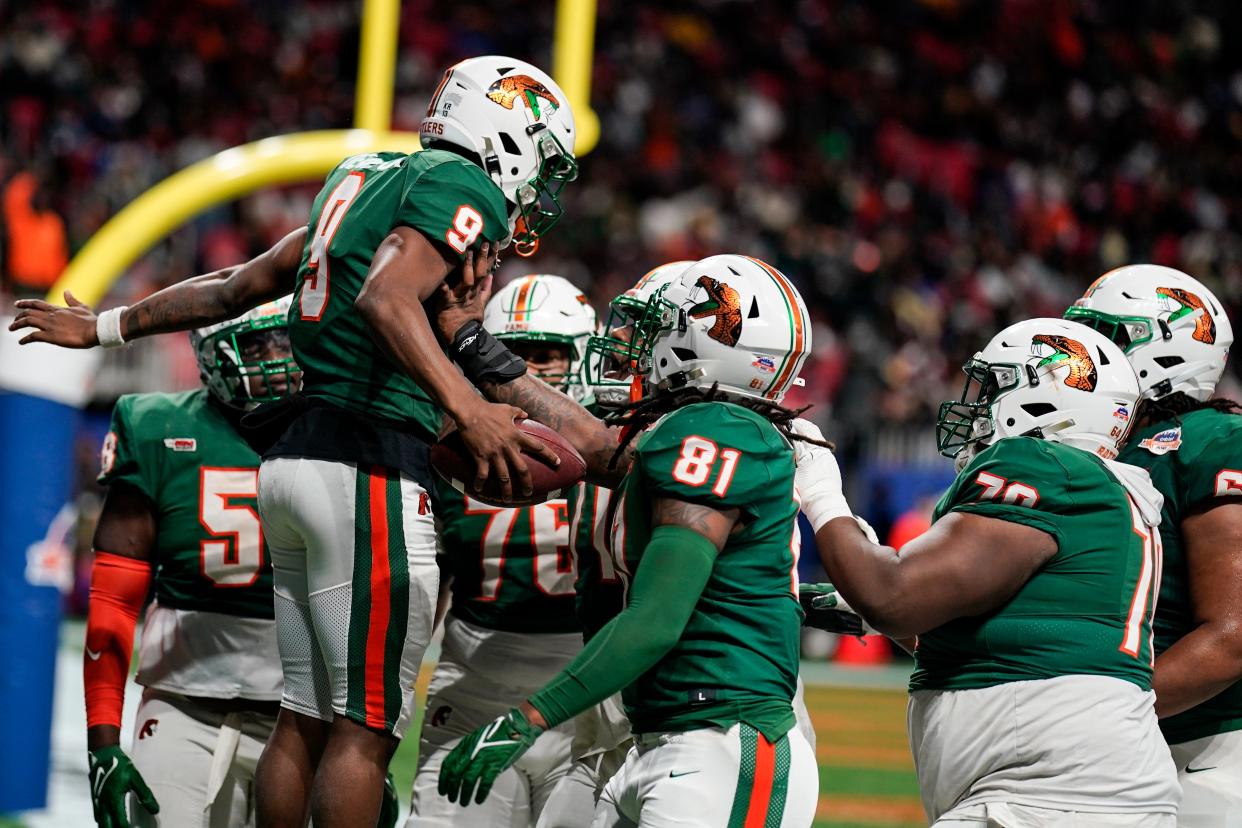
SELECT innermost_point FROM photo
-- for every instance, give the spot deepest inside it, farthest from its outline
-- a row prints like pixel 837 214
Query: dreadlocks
pixel 636 416
pixel 1176 406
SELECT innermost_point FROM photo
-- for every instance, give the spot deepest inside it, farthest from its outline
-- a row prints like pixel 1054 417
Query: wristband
pixel 484 358
pixel 108 327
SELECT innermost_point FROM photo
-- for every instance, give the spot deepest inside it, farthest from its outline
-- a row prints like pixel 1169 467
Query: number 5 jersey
pixel 209 631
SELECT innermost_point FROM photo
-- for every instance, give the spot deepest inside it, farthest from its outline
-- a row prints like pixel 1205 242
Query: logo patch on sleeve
pixel 181 443
pixel 1163 442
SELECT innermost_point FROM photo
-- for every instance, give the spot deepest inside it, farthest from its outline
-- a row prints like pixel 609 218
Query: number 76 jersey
pixel 202 479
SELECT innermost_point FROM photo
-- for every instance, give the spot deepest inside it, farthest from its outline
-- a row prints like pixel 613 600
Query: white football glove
pixel 818 477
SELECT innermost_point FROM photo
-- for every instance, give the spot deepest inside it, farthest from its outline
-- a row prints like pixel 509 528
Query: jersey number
pixel 549 537
pixel 698 456
pixel 467 224
pixel 235 559
pixel 314 296
pixel 1143 601
pixel 1228 483
pixel 996 487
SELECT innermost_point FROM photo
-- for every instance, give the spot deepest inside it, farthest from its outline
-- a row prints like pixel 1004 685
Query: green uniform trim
pixel 399 601
pixel 360 600
pixel 749 739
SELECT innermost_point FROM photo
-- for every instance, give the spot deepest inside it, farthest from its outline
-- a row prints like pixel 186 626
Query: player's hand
pixel 479 264
pixel 826 610
pixel 69 327
pixel 472 766
pixel 452 307
pixel 112 777
pixel 818 477
pixel 389 807
pixel 492 437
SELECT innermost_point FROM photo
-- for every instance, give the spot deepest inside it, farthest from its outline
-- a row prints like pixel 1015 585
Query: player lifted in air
pixel 511 625
pixel 703 530
pixel 180 515
pixel 1031 594
pixel 343 492
pixel 1176 335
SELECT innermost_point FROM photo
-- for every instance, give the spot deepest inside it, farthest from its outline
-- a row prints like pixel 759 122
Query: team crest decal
pixel 723 303
pixel 1162 442
pixel 507 90
pixel 1082 374
pixel 1205 327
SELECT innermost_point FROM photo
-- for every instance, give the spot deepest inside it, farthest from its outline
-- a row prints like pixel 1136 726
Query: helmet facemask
pixel 966 425
pixel 248 363
pixel 539 205
pixel 619 359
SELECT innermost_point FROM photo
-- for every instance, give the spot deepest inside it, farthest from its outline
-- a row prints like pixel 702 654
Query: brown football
pixel 454 463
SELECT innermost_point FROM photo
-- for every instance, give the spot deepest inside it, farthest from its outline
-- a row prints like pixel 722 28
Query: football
pixel 453 462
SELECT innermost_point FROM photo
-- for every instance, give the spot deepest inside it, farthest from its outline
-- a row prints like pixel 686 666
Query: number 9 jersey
pixel 210 631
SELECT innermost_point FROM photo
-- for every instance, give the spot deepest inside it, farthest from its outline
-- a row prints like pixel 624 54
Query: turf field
pixel 866 777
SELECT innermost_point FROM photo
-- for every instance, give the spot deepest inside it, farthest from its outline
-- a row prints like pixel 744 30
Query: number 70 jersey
pixel 202 479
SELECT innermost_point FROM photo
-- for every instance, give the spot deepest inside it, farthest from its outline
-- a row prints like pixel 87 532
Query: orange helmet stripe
pixel 523 299
pixel 799 343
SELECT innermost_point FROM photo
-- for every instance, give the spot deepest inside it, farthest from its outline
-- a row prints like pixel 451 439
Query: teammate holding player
pixel 511 625
pixel 179 515
pixel 343 492
pixel 1031 594
pixel 1176 335
pixel 706 648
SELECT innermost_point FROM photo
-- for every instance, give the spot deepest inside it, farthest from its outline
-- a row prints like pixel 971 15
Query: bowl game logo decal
pixel 766 364
pixel 1162 442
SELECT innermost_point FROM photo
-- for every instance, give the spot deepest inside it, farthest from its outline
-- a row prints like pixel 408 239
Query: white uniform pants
pixel 482 673
pixel 355 580
pixel 1210 770
pixel 711 778
pixel 198 763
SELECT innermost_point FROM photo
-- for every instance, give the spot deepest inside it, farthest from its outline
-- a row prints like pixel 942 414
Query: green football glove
pixel 472 766
pixel 389 807
pixel 112 777
pixel 825 609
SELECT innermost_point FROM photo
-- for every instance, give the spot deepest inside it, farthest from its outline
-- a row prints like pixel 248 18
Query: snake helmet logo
pixel 1082 374
pixel 723 303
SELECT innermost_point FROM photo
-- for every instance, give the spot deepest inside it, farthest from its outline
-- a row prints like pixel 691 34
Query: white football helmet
pixel 1047 378
pixel 518 123
pixel 608 377
pixel 729 321
pixel 228 370
pixel 545 308
pixel 1173 330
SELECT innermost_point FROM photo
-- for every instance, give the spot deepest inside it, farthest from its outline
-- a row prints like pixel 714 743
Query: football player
pixel 1031 594
pixel 1176 335
pixel 179 520
pixel 704 534
pixel 511 625
pixel 344 489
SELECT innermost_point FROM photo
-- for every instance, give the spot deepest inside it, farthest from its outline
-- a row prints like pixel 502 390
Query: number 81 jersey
pixel 202 478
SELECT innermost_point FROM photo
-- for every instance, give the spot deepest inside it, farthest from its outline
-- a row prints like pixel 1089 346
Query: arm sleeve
pixel 119 459
pixel 119 588
pixel 675 568
pixel 455 205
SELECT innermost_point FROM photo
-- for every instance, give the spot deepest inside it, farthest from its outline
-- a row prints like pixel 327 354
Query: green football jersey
pixel 512 568
pixel 737 659
pixel 1087 611
pixel 1191 462
pixel 599 590
pixel 449 200
pixel 181 452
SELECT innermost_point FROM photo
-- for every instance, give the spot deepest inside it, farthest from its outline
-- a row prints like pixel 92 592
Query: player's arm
pixel 405 271
pixel 676 566
pixel 193 303
pixel 965 564
pixel 459 312
pixel 120 579
pixel 1208 659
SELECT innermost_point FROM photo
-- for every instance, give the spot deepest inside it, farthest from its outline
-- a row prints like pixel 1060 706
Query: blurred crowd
pixel 924 171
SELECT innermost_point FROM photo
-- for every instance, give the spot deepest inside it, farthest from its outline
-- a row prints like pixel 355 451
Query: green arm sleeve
pixel 674 570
